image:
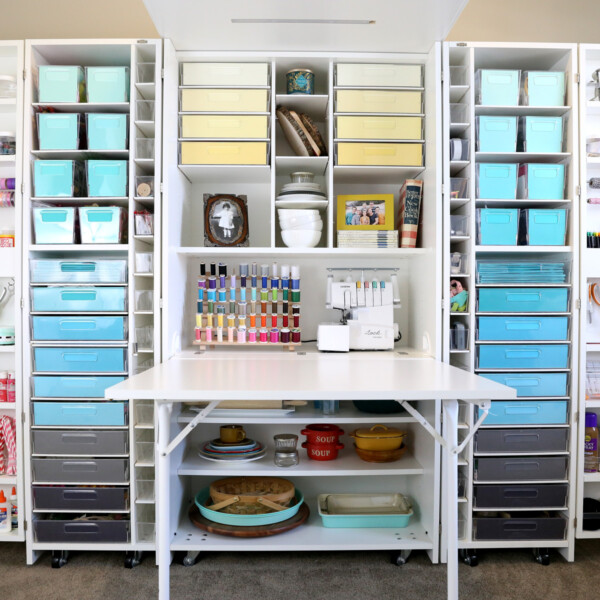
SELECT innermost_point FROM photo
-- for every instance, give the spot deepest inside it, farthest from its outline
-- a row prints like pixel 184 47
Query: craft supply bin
pixel 528 412
pixel 498 226
pixel 103 225
pixel 508 441
pixel 89 532
pixel 57 178
pixel 86 499
pixel 224 126
pixel 497 87
pixel 224 100
pixel 224 153
pixel 61 84
pixel 523 299
pixel 78 299
pixel 520 496
pixel 523 328
pixel 379 128
pixel 79 414
pixel 532 384
pixel 225 73
pixel 80 329
pixel 541 181
pixel 84 470
pixel 107 84
pixel 496 134
pixel 106 178
pixel 77 271
pixel 378 75
pixel 544 227
pixel 79 360
pixel 374 154
pixel 378 101
pixel 521 356
pixel 541 134
pixel 496 181
pixel 54 225
pixel 520 526
pixel 543 88
pixel 87 443
pixel 80 386
pixel 521 468
pixel 59 131
pixel 106 131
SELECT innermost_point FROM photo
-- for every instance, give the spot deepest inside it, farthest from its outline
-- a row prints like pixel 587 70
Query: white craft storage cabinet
pixel 120 435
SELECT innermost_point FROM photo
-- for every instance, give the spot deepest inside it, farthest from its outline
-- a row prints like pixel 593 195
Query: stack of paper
pixel 367 239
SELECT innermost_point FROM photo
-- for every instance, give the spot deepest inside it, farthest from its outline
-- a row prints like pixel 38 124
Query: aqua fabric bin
pixel 497 181
pixel 58 83
pixel 541 182
pixel 540 134
pixel 527 412
pixel 102 224
pixel 52 178
pixel 535 329
pixel 523 300
pixel 107 84
pixel 532 384
pixel 498 87
pixel 545 227
pixel 107 178
pixel 58 386
pixel 544 88
pixel 498 226
pixel 106 131
pixel 73 329
pixel 79 360
pixel 523 356
pixel 80 414
pixel 54 225
pixel 78 271
pixel 496 134
pixel 78 299
pixel 58 131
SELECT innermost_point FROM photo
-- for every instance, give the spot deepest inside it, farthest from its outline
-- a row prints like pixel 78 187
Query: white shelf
pixel 12 536
pixel 81 154
pixel 7 160
pixel 229 173
pixel 457 92
pixel 314 105
pixel 498 203
pixel 78 200
pixel 7 350
pixel 348 464
pixel 458 165
pixel 146 90
pixel 593 105
pixel 146 128
pixel 8 480
pixel 201 252
pixel 8 405
pixel 458 128
pixel 538 111
pixel 522 157
pixel 84 107
pixel 522 249
pixel 375 175
pixel 148 239
pixel 458 202
pixel 76 248
pixel 7 262
pixel 314 164
pixel 591 477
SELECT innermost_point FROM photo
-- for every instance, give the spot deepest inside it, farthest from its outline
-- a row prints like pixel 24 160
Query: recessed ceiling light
pixel 307 21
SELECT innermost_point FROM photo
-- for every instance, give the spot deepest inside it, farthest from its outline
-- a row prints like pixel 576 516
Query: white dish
pixel 230 460
pixel 305 225
pixel 284 213
pixel 300 238
pixel 301 203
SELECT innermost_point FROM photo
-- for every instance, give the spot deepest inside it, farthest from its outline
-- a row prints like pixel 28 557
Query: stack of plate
pixel 244 451
pixel 301 192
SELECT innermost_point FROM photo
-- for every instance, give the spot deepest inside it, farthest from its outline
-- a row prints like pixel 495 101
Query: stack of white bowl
pixel 298 206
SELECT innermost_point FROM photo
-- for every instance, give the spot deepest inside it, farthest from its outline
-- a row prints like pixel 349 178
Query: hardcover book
pixel 411 194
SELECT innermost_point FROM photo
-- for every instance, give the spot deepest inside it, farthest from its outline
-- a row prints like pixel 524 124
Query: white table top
pixel 313 376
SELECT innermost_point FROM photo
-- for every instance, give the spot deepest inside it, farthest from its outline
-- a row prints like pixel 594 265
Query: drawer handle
pixel 79 438
pixel 521 526
pixel 81 527
pixel 78 267
pixel 531 382
pixel 101 216
pixel 79 296
pixel 81 466
pixel 523 325
pixel 521 493
pixel 87 382
pixel 514 438
pixel 80 495
pixel 76 325
pixel 522 466
pixel 79 410
pixel 498 79
pixel 522 410
pixel 54 216
pixel 80 357
pixel 523 297
pixel 522 354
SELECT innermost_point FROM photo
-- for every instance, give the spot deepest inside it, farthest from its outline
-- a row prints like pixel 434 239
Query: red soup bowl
pixel 322 434
pixel 322 451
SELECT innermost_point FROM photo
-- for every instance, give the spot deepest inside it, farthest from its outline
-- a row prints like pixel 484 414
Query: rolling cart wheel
pixel 400 558
pixel 133 559
pixel 469 557
pixel 59 558
pixel 190 559
pixel 542 556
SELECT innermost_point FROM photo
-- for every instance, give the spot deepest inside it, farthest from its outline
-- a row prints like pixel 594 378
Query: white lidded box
pixel 378 75
pixel 102 224
pixel 225 73
pixel 54 225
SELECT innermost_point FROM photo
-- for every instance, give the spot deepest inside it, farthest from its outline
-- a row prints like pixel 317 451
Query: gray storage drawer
pixel 89 443
pixel 521 496
pixel 520 526
pixel 505 441
pixel 80 498
pixel 528 468
pixel 84 470
pixel 69 530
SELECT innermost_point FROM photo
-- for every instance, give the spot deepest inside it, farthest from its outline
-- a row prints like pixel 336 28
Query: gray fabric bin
pixel 81 531
pixel 548 495
pixel 89 443
pixel 527 468
pixel 505 441
pixel 80 498
pixel 99 470
pixel 520 526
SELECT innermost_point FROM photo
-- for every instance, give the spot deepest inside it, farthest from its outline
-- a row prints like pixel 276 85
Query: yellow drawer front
pixel 379 75
pixel 225 74
pixel 385 155
pixel 379 128
pixel 376 101
pixel 214 100
pixel 223 153
pixel 224 126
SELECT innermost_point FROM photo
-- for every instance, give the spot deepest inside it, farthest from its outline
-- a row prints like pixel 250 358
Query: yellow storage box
pixel 379 75
pixel 224 100
pixel 223 153
pixel 225 126
pixel 378 101
pixel 379 128
pixel 379 155
pixel 223 73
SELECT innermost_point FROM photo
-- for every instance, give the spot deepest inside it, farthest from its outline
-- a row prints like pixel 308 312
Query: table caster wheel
pixel 190 559
pixel 400 558
pixel 59 558
pixel 132 559
pixel 542 556
pixel 469 557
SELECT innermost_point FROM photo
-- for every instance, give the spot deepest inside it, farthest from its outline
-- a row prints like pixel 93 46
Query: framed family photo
pixel 365 212
pixel 225 220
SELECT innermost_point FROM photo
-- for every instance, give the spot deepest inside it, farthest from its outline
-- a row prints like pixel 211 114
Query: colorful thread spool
pixel 241 335
pixel 263 336
pixel 212 282
pixel 295 336
pixel 219 334
pixel 274 336
pixel 285 336
pixel 230 331
pixel 274 320
pixel 253 320
pixel 209 334
pixel 252 335
pixel 263 320
pixel 223 295
pixel 285 320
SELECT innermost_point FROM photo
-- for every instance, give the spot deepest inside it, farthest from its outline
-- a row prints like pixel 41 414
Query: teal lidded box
pixel 300 81
pixel 540 134
pixel 58 131
pixel 543 88
pixel 496 181
pixel 107 178
pixel 52 178
pixel 54 225
pixel 106 131
pixel 496 134
pixel 497 87
pixel 58 83
pixel 107 84
pixel 498 226
pixel 541 181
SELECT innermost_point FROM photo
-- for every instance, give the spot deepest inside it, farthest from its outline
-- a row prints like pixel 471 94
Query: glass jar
pixel 285 442
pixel 8 86
pixel 287 459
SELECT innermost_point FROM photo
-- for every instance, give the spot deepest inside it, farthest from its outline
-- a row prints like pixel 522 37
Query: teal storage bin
pixel 498 226
pixel 516 300
pixel 80 414
pixel 523 356
pixel 75 328
pixel 540 134
pixel 102 224
pixel 545 227
pixel 532 384
pixel 543 88
pixel 107 84
pixel 59 131
pixel 56 270
pixel 106 131
pixel 534 329
pixel 107 178
pixel 58 83
pixel 78 299
pixel 79 360
pixel 496 134
pixel 59 386
pixel 496 181
pixel 541 181
pixel 527 412
pixel 57 178
pixel 54 225
pixel 498 87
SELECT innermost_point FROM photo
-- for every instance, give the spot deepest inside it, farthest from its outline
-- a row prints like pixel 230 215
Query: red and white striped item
pixel 8 443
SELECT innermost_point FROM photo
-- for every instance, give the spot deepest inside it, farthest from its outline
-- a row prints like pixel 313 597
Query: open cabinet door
pixel 377 26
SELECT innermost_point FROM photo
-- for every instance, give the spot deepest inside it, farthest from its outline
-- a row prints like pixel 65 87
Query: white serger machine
pixel 367 305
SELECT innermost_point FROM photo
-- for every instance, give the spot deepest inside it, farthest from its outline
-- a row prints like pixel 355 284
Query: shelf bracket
pixel 484 409
pixel 190 427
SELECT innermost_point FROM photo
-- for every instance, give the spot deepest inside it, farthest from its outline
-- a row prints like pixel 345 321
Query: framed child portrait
pixel 225 220
pixel 365 212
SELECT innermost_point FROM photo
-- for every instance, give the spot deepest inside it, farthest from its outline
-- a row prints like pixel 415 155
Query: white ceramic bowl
pixel 302 177
pixel 306 225
pixel 302 220
pixel 297 212
pixel 300 238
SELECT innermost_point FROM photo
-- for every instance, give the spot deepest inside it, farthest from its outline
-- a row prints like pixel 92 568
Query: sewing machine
pixel 367 313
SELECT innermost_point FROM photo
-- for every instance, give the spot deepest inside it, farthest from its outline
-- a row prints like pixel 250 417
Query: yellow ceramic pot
pixel 378 438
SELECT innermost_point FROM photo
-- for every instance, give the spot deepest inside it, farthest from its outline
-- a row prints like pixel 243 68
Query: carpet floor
pixel 510 575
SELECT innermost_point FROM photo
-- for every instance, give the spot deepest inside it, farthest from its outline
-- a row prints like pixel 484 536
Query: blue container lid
pixel 591 419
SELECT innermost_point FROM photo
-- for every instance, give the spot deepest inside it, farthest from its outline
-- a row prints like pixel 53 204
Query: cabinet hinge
pixel 142 41
pixel 160 303
pixel 160 187
pixel 443 189
pixel 24 74
pixel 462 44
pixel 578 190
pixel 576 417
pixel 23 417
pixel 25 525
pixel 575 522
pixel 162 73
pixel 578 304
pixel 577 78
pixel 22 303
pixel 22 188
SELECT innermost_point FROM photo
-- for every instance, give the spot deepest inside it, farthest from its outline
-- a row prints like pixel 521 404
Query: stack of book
pixel 367 239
